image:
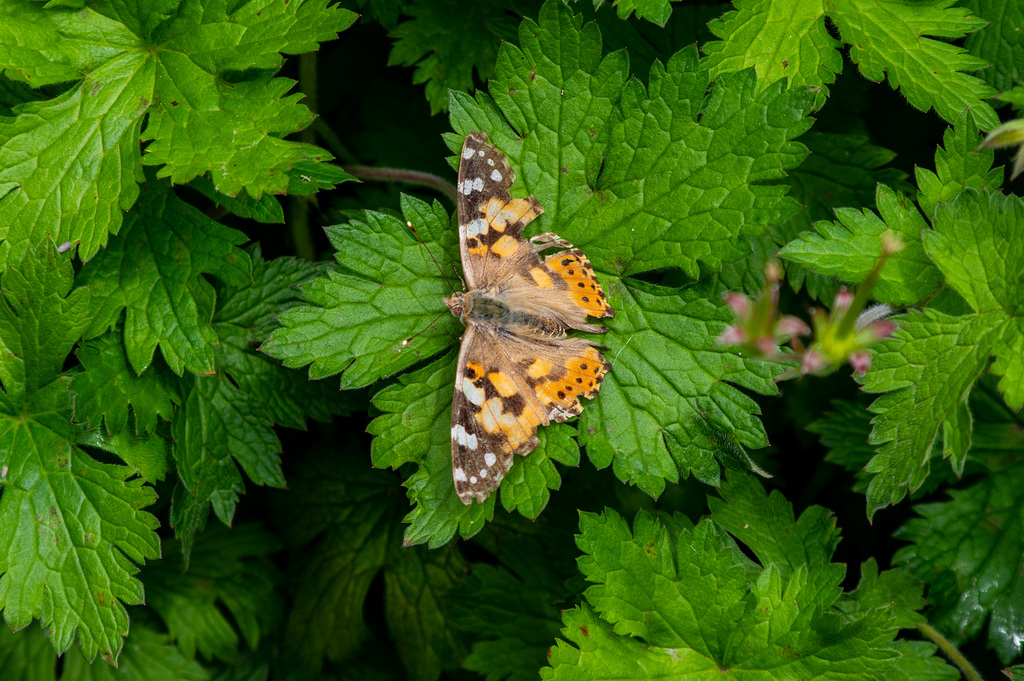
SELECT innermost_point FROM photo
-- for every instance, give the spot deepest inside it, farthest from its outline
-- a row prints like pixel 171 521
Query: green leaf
pixel 513 617
pixel 975 245
pixel 677 604
pixel 446 41
pixel 845 432
pixel 918 662
pixel 1000 43
pixel 245 316
pixel 216 426
pixel 108 386
pixel 779 41
pixel 348 516
pixel 790 41
pixel 850 247
pixel 655 11
pixel 970 551
pixel 766 525
pixel 148 455
pixel 389 290
pixel 27 654
pixel 147 655
pixel 195 105
pixel 958 165
pixel 659 418
pixel 927 370
pixel 88 515
pixel 897 589
pixel 154 271
pixel 229 571
pixel 669 182
pixel 71 164
pixel 841 170
pixel 416 582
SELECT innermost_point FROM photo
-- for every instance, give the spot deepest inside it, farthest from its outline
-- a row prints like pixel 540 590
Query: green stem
pixel 298 208
pixel 954 655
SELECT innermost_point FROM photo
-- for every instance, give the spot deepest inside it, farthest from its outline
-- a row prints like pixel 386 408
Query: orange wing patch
pixel 560 388
pixel 584 289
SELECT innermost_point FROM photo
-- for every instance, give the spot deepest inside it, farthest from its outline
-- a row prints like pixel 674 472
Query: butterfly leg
pixel 548 240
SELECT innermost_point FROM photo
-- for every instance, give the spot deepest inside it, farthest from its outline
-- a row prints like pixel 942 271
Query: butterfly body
pixel 517 369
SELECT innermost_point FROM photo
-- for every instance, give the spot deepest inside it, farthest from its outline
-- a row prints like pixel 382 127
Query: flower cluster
pixel 843 333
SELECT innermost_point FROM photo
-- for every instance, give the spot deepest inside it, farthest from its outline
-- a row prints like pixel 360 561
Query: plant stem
pixel 298 208
pixel 954 655
pixel 407 176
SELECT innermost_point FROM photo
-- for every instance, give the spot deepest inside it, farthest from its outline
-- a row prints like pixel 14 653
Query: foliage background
pixel 177 232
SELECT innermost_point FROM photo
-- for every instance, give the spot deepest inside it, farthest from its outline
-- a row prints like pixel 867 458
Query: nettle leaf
pixel 675 198
pixel 850 247
pixel 245 316
pixel 107 389
pixel 388 290
pixel 154 272
pixel 669 603
pixel 446 41
pixel 959 164
pixel 841 170
pixel 511 610
pixel 790 41
pixel 1000 43
pixel 655 11
pixel 147 655
pixel 638 178
pixel 927 370
pixel 969 549
pixel 349 518
pixel 71 528
pixel 229 572
pixel 28 656
pixel 70 165
pixel 217 427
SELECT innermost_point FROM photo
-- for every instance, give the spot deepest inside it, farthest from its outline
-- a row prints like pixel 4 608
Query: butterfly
pixel 517 370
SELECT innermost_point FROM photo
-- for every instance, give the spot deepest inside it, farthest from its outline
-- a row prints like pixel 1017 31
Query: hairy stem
pixel 954 655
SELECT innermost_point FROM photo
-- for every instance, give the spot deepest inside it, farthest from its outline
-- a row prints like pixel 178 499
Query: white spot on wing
pixel 472 479
pixel 460 475
pixel 468 152
pixel 467 187
pixel 489 458
pixel 483 472
pixel 478 184
pixel 495 175
pixel 463 437
pixel 478 226
pixel 481 152
pixel 490 161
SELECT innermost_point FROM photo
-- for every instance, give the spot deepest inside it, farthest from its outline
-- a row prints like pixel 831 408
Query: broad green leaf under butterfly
pixel 686 603
pixel 70 165
pixel 380 314
pixel 637 177
pixel 77 579
pixel 789 40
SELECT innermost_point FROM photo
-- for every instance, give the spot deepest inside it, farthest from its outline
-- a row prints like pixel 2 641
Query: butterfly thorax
pixel 484 308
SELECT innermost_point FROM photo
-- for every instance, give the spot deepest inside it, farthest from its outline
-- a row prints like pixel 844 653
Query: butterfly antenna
pixel 405 343
pixel 436 264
